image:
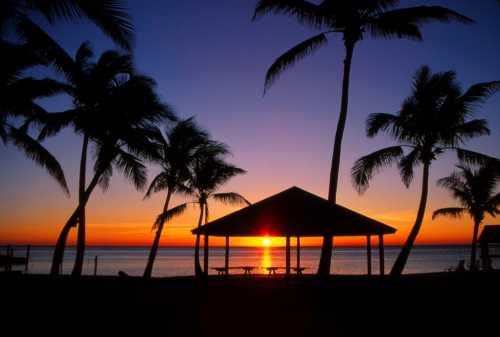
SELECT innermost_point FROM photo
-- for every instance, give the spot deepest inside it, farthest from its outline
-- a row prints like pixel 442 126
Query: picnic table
pixel 272 270
pixel 247 270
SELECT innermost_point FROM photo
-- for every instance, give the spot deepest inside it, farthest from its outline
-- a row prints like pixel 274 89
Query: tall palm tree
pixel 18 102
pixel 95 88
pixel 435 118
pixel 109 15
pixel 209 174
pixel 353 20
pixel 182 144
pixel 475 191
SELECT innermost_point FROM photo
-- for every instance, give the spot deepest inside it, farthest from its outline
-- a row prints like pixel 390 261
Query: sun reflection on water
pixel 266 258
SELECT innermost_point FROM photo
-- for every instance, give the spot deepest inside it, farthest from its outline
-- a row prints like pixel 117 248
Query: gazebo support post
pixel 381 253
pixel 287 256
pixel 226 260
pixel 298 254
pixel 369 253
pixel 205 256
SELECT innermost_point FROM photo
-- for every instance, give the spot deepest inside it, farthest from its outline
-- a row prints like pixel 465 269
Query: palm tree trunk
pixel 399 265
pixel 58 255
pixel 205 256
pixel 197 267
pixel 477 223
pixel 80 243
pixel 156 242
pixel 326 249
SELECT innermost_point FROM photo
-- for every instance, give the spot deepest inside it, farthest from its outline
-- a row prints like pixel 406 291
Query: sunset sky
pixel 209 60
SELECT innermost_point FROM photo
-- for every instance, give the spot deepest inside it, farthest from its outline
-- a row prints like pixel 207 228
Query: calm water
pixel 179 261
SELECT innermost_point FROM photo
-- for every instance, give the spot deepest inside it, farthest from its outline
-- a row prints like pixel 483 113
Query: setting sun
pixel 266 242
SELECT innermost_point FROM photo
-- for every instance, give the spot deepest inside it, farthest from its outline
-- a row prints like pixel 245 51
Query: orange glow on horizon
pixel 126 221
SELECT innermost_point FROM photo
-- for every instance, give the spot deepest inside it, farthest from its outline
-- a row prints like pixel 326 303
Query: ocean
pixel 178 261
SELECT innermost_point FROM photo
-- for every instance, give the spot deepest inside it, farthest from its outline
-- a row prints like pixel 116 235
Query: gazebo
pixel 295 213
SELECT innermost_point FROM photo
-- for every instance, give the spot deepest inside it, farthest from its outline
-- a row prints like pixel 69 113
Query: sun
pixel 266 242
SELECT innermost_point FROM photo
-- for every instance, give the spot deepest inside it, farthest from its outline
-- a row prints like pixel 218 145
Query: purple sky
pixel 209 60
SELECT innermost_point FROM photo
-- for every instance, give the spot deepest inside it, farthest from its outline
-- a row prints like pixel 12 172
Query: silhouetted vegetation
pixel 434 119
pixel 353 21
pixel 115 109
pixel 475 190
pixel 178 150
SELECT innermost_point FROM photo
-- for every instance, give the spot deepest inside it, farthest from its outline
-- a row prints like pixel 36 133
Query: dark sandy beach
pixel 425 305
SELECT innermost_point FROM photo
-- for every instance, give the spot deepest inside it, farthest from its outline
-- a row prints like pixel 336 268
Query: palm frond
pixel 480 92
pixel 105 178
pixel 293 55
pixel 39 40
pixel 406 22
pixel 474 158
pixel 378 122
pixel 419 15
pixel 133 168
pixel 454 212
pixel 109 15
pixel 406 165
pixel 169 215
pixel 159 183
pixel 457 135
pixel 39 154
pixel 365 167
pixel 53 123
pixel 304 11
pixel 231 198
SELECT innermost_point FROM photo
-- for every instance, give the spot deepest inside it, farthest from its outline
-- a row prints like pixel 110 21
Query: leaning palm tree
pixel 108 102
pixel 181 146
pixel 353 20
pixel 88 84
pixel 433 119
pixel 475 191
pixel 109 15
pixel 208 172
pixel 18 101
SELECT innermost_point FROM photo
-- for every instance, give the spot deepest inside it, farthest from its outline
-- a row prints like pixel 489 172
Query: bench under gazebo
pixel 295 213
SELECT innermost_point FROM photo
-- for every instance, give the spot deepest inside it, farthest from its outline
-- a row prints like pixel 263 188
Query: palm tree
pixel 209 174
pixel 353 20
pixel 182 144
pixel 18 101
pixel 475 191
pixel 433 119
pixel 109 15
pixel 95 88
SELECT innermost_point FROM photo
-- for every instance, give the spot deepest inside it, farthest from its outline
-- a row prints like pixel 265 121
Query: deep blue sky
pixel 209 60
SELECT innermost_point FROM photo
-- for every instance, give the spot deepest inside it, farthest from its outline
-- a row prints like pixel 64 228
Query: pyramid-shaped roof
pixel 294 212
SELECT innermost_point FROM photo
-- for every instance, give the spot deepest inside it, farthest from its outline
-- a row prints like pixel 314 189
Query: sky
pixel 210 62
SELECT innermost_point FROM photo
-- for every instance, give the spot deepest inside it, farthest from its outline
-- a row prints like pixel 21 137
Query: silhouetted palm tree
pixel 182 144
pixel 474 190
pixel 95 89
pixel 354 20
pixel 18 102
pixel 209 174
pixel 434 119
pixel 109 15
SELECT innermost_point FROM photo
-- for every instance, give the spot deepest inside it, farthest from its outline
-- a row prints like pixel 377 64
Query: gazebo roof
pixel 490 233
pixel 294 212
